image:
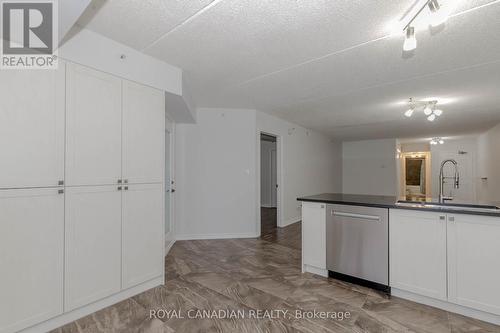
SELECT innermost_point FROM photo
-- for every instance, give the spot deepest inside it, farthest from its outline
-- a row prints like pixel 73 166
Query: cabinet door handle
pixel 451 218
pixel 119 181
pixel 119 188
pixel 60 191
pixel 126 188
pixel 442 218
pixel 126 181
pixel 60 183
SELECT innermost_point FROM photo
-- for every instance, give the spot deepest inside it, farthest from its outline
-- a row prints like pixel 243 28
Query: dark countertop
pixel 379 201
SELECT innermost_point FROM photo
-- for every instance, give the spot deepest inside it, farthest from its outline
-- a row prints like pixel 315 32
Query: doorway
pixel 268 183
pixel 416 175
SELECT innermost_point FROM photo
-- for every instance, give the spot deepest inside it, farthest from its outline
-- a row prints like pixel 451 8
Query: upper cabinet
pixel 473 268
pixel 93 127
pixel 143 133
pixel 32 128
pixel 418 252
pixel 115 130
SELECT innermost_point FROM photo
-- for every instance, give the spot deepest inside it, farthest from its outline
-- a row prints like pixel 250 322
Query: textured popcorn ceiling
pixel 328 65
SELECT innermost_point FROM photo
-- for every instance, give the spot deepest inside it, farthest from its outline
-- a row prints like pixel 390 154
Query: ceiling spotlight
pixel 438 112
pixel 435 141
pixel 432 117
pixel 428 110
pixel 409 113
pixel 410 40
pixel 438 16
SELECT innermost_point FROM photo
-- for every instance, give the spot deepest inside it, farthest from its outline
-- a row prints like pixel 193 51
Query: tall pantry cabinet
pixel 81 191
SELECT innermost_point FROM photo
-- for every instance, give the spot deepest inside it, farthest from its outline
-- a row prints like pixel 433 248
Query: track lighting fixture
pixel 436 141
pixel 427 107
pixel 410 111
pixel 410 40
pixel 438 17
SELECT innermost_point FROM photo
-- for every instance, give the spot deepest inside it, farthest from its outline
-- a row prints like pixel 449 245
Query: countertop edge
pixel 394 206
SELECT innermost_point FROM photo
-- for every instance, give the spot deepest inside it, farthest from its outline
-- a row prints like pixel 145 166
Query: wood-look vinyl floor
pixel 263 274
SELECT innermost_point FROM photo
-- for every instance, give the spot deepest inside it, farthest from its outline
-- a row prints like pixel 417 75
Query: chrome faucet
pixel 456 180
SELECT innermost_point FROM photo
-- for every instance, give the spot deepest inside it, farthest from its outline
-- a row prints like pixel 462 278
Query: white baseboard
pixel 450 307
pixel 215 236
pixel 314 270
pixel 71 316
pixel 291 221
pixel 168 245
pixel 267 206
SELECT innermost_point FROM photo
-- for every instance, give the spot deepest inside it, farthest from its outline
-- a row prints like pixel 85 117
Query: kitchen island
pixel 445 256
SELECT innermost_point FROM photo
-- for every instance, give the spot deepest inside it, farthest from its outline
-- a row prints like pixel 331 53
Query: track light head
pixel 410 40
pixel 438 16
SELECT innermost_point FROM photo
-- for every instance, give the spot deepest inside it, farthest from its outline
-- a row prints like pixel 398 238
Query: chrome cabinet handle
pixel 357 216
pixel 60 183
pixel 60 191
pixel 119 181
pixel 451 219
pixel 119 188
pixel 126 181
pixel 126 188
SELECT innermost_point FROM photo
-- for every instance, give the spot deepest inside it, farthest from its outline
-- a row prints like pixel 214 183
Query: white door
pixel 143 233
pixel 168 182
pixel 93 244
pixel 473 262
pixel 31 257
pixel 143 133
pixel 417 248
pixel 32 128
pixel 314 234
pixel 93 127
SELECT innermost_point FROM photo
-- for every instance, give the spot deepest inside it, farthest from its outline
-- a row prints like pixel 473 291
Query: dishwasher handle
pixel 356 216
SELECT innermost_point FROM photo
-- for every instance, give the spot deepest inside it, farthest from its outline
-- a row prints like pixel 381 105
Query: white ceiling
pixel 328 65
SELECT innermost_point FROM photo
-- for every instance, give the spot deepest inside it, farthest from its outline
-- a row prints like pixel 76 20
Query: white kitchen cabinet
pixel 417 242
pixel 32 128
pixel 314 237
pixel 93 244
pixel 31 257
pixel 93 127
pixel 143 133
pixel 473 261
pixel 142 235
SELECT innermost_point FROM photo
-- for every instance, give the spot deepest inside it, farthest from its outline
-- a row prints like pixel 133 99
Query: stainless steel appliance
pixel 358 245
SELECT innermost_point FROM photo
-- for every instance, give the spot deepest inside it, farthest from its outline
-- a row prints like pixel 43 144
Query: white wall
pixel 466 164
pixel 218 172
pixel 489 165
pixel 215 175
pixel 267 187
pixel 369 167
pixel 312 163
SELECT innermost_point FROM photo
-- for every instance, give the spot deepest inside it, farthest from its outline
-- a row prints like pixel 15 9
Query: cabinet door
pixel 143 133
pixel 417 248
pixel 93 244
pixel 31 257
pixel 93 127
pixel 143 234
pixel 314 234
pixel 32 128
pixel 473 266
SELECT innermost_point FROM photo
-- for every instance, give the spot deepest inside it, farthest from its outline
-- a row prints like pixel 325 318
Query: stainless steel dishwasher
pixel 357 241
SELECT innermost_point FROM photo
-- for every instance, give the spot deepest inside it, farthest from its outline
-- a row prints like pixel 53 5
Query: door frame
pixel 279 178
pixel 170 236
